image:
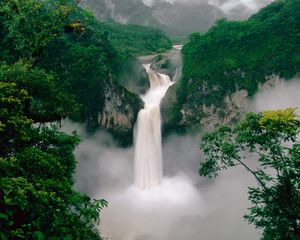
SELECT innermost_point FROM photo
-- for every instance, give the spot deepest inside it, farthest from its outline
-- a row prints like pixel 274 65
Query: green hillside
pixel 135 39
pixel 235 55
pixel 56 61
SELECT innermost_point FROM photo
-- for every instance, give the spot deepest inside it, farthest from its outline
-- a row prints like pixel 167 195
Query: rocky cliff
pixel 119 112
pixel 206 117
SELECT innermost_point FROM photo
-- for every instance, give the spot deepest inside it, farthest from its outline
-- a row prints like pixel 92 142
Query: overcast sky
pixel 225 5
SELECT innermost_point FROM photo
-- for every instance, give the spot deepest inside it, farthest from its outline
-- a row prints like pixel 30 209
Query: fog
pixel 185 207
pixel 227 6
pixel 230 5
pixel 175 17
pixel 284 95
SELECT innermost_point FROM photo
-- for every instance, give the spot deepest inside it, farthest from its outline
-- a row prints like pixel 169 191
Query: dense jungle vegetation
pixel 55 60
pixel 235 55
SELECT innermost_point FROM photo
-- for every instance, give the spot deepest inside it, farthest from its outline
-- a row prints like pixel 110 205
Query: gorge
pixel 107 132
pixel 143 202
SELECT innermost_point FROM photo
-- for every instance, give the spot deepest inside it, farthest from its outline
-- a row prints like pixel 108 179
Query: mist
pixel 186 206
pixel 283 95
pixel 251 6
pixel 189 206
pixel 227 6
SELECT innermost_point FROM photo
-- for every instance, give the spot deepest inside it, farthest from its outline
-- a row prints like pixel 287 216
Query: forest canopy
pixel 236 55
pixel 55 60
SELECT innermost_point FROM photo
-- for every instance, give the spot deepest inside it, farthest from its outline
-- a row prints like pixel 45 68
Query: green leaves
pixel 220 151
pixel 102 203
pixel 37 235
pixel 36 160
pixel 276 200
pixel 283 122
pixel 137 40
pixel 239 55
pixel 15 127
pixel 32 24
pixel 46 101
pixel 3 216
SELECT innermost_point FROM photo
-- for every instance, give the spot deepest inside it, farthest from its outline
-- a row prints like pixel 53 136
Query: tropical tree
pixel 30 25
pixel 37 199
pixel 37 163
pixel 273 137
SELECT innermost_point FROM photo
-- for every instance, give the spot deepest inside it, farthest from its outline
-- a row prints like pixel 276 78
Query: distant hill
pixel 174 19
pixel 183 19
pixel 178 17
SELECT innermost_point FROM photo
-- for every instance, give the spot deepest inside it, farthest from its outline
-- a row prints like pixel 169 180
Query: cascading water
pixel 148 168
pixel 154 204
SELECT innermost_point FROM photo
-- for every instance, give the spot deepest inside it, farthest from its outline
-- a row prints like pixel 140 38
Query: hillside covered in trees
pixel 82 54
pixel 56 61
pixel 237 55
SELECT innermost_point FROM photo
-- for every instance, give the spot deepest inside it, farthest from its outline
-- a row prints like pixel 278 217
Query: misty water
pixel 148 168
pixel 152 197
pixel 170 202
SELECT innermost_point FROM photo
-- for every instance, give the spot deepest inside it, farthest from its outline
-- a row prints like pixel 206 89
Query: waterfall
pixel 148 167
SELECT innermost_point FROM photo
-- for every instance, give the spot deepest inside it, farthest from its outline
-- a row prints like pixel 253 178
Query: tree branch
pixel 256 177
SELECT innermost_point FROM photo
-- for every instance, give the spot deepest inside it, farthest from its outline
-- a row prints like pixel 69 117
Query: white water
pixel 148 170
pixel 173 208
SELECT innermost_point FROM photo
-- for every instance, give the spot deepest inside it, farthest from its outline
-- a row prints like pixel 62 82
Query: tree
pixel 29 25
pixel 47 101
pixel 37 200
pixel 273 137
pixel 56 61
pixel 37 163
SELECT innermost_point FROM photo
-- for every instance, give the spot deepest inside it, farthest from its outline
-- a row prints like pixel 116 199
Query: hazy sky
pixel 225 5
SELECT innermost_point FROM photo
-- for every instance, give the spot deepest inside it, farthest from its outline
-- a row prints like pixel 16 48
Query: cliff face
pixel 206 117
pixel 166 107
pixel 119 112
pixel 229 111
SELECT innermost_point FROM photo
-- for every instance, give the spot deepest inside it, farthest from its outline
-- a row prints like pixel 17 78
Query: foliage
pixel 82 55
pixel 36 167
pixel 32 24
pixel 136 40
pixel 236 55
pixel 82 70
pixel 37 200
pixel 273 137
pixel 46 103
pixel 56 61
